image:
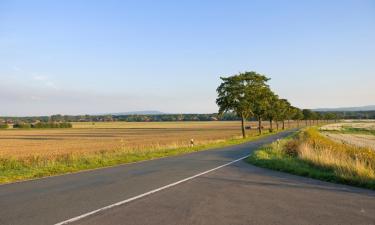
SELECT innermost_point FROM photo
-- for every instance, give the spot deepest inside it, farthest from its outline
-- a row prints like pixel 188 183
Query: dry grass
pixel 342 163
pixel 312 154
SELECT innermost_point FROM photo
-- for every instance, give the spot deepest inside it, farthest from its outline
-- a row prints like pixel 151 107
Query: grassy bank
pixel 310 154
pixel 15 169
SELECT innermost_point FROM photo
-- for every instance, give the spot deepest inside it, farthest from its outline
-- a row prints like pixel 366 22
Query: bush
pixel 22 125
pixel 51 125
pixel 4 126
pixel 291 148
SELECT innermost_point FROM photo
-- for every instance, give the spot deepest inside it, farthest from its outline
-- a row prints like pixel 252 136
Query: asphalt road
pixel 236 194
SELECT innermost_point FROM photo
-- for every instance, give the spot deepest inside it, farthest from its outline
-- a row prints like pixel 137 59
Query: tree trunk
pixel 271 128
pixel 277 125
pixel 243 127
pixel 283 124
pixel 297 123
pixel 288 123
pixel 260 125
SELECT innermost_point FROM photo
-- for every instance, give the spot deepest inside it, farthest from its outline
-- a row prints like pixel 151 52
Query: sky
pixel 88 57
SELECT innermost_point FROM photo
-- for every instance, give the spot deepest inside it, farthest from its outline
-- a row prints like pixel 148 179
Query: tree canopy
pixel 249 96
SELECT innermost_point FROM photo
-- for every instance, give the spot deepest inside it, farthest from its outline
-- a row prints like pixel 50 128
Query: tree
pixel 261 104
pixel 298 115
pixel 272 110
pixel 329 116
pixel 307 115
pixel 232 97
pixel 245 94
pixel 283 107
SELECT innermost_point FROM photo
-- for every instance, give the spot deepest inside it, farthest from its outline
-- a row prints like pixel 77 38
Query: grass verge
pixel 12 170
pixel 310 154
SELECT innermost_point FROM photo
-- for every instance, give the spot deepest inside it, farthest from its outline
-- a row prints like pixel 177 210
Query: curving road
pixel 237 193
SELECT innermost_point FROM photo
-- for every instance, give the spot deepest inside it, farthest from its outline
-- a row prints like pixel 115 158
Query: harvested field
pixel 361 140
pixel 369 125
pixel 361 134
pixel 87 138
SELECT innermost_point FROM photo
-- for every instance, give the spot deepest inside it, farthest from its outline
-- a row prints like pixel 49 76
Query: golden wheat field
pixel 87 137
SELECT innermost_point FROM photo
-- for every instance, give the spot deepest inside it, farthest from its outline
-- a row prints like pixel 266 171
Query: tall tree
pixel 260 96
pixel 232 97
pixel 307 115
pixel 272 110
pixel 244 94
pixel 282 111
pixel 298 115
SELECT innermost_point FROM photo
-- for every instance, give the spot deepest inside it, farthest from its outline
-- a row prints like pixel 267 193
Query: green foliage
pixel 4 126
pixel 242 94
pixel 22 125
pixel 307 114
pixel 51 125
pixel 245 94
pixel 41 125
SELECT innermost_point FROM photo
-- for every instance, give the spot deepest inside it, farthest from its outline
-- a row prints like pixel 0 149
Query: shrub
pixel 291 148
pixel 51 125
pixel 4 126
pixel 22 125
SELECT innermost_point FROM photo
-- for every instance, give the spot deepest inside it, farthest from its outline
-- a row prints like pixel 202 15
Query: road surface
pixel 235 194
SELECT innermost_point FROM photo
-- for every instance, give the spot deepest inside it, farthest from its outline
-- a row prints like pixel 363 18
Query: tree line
pixel 249 96
pixel 40 125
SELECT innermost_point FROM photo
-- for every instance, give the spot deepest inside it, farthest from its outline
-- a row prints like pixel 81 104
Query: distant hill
pixel 151 112
pixel 347 109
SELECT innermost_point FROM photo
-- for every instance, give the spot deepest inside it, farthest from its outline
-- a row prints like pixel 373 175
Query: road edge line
pixel 146 193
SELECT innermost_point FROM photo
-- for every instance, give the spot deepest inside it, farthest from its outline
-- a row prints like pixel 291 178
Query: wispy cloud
pixel 40 77
pixel 45 80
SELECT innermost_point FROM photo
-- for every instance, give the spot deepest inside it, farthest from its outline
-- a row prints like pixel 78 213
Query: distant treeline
pixel 62 121
pixel 25 125
pixel 127 118
pixel 353 114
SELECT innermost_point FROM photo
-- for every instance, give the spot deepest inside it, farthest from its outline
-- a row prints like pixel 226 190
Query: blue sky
pixel 76 57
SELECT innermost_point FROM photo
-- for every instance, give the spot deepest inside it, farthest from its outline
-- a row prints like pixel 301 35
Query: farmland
pixel 92 138
pixel 28 153
pixel 361 134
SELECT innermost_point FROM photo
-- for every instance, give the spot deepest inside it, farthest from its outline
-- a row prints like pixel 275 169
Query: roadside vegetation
pixel 310 153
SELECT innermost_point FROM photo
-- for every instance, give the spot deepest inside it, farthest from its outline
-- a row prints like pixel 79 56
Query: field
pixel 360 134
pixel 337 153
pixel 89 138
pixel 28 153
